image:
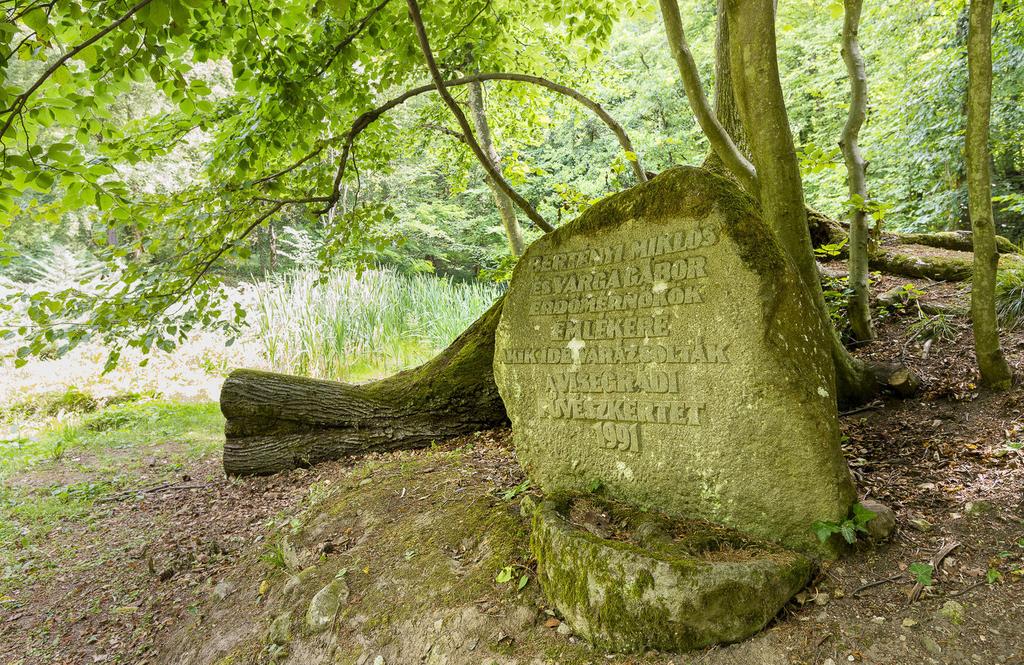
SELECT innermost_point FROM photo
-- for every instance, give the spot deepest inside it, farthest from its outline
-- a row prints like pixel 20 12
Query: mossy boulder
pixel 663 348
pixel 631 581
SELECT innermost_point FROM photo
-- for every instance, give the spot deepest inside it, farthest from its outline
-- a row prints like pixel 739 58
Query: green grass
pixel 349 327
pixel 55 477
pixel 1010 297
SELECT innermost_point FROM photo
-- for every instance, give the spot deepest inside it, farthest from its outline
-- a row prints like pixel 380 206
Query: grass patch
pixel 54 479
pixel 1010 297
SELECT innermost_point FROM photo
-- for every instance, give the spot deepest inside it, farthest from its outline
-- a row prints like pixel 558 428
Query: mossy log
pixel 825 230
pixel 277 422
pixel 942 269
pixel 961 241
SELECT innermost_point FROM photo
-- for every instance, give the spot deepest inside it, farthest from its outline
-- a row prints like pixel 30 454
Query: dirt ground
pixel 199 570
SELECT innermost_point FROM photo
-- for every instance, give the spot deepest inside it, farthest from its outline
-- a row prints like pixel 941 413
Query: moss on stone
pixel 625 596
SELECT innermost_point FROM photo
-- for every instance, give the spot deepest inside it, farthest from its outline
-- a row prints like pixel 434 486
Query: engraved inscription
pixel 608 346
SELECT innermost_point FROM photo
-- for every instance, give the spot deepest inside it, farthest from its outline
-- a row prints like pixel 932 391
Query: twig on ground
pixel 967 588
pixel 865 587
pixel 870 406
pixel 936 561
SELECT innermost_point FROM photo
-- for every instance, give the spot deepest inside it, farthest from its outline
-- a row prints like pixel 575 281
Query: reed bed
pixel 348 327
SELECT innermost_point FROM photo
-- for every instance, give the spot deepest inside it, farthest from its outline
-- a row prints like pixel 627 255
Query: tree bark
pixel 505 207
pixel 721 142
pixel 726 110
pixel 995 372
pixel 759 96
pixel 858 305
pixel 277 422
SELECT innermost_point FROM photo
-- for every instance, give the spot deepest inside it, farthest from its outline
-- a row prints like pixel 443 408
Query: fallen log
pixel 938 268
pixel 961 241
pixel 277 422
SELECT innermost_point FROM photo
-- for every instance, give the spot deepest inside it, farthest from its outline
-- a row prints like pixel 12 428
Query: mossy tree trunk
pixel 759 96
pixel 277 422
pixel 506 208
pixel 995 372
pixel 858 305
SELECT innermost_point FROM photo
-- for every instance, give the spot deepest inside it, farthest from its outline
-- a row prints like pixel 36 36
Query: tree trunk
pixel 721 142
pixel 505 206
pixel 940 269
pixel 858 305
pixel 726 110
pixel 759 96
pixel 995 372
pixel 277 422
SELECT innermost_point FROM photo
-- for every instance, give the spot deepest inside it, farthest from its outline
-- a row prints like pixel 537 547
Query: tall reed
pixel 350 327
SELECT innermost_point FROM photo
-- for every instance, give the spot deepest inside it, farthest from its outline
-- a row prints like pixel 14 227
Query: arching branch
pixel 369 117
pixel 496 177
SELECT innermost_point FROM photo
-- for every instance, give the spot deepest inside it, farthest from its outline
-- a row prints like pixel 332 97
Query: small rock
pixel 821 598
pixel 379 660
pixel 978 507
pixel 877 619
pixel 921 524
pixel 223 589
pixel 564 629
pixel 325 604
pixel 953 611
pixel 931 646
pixel 829 661
pixel 909 623
pixel 280 630
pixel 881 526
pixel 296 581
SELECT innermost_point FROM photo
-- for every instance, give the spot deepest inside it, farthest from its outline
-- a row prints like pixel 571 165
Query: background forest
pixel 437 214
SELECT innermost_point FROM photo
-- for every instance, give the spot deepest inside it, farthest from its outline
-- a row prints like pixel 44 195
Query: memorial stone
pixel 662 351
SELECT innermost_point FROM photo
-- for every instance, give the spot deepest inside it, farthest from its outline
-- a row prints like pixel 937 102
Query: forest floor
pixel 121 540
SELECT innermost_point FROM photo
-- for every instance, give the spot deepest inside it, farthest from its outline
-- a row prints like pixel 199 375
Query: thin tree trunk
pixel 721 142
pixel 460 117
pixel 726 111
pixel 759 96
pixel 995 372
pixel 505 207
pixel 858 305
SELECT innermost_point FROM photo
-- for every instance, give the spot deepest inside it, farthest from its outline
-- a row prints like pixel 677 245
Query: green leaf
pixel 504 575
pixel 523 581
pixel 836 10
pixel 824 530
pixel 922 572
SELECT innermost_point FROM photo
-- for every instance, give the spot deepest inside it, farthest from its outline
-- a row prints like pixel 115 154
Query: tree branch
pixel 721 142
pixel 369 117
pixel 467 130
pixel 22 99
pixel 348 39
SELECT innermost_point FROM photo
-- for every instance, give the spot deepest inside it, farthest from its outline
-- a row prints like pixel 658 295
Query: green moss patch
pixel 630 580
